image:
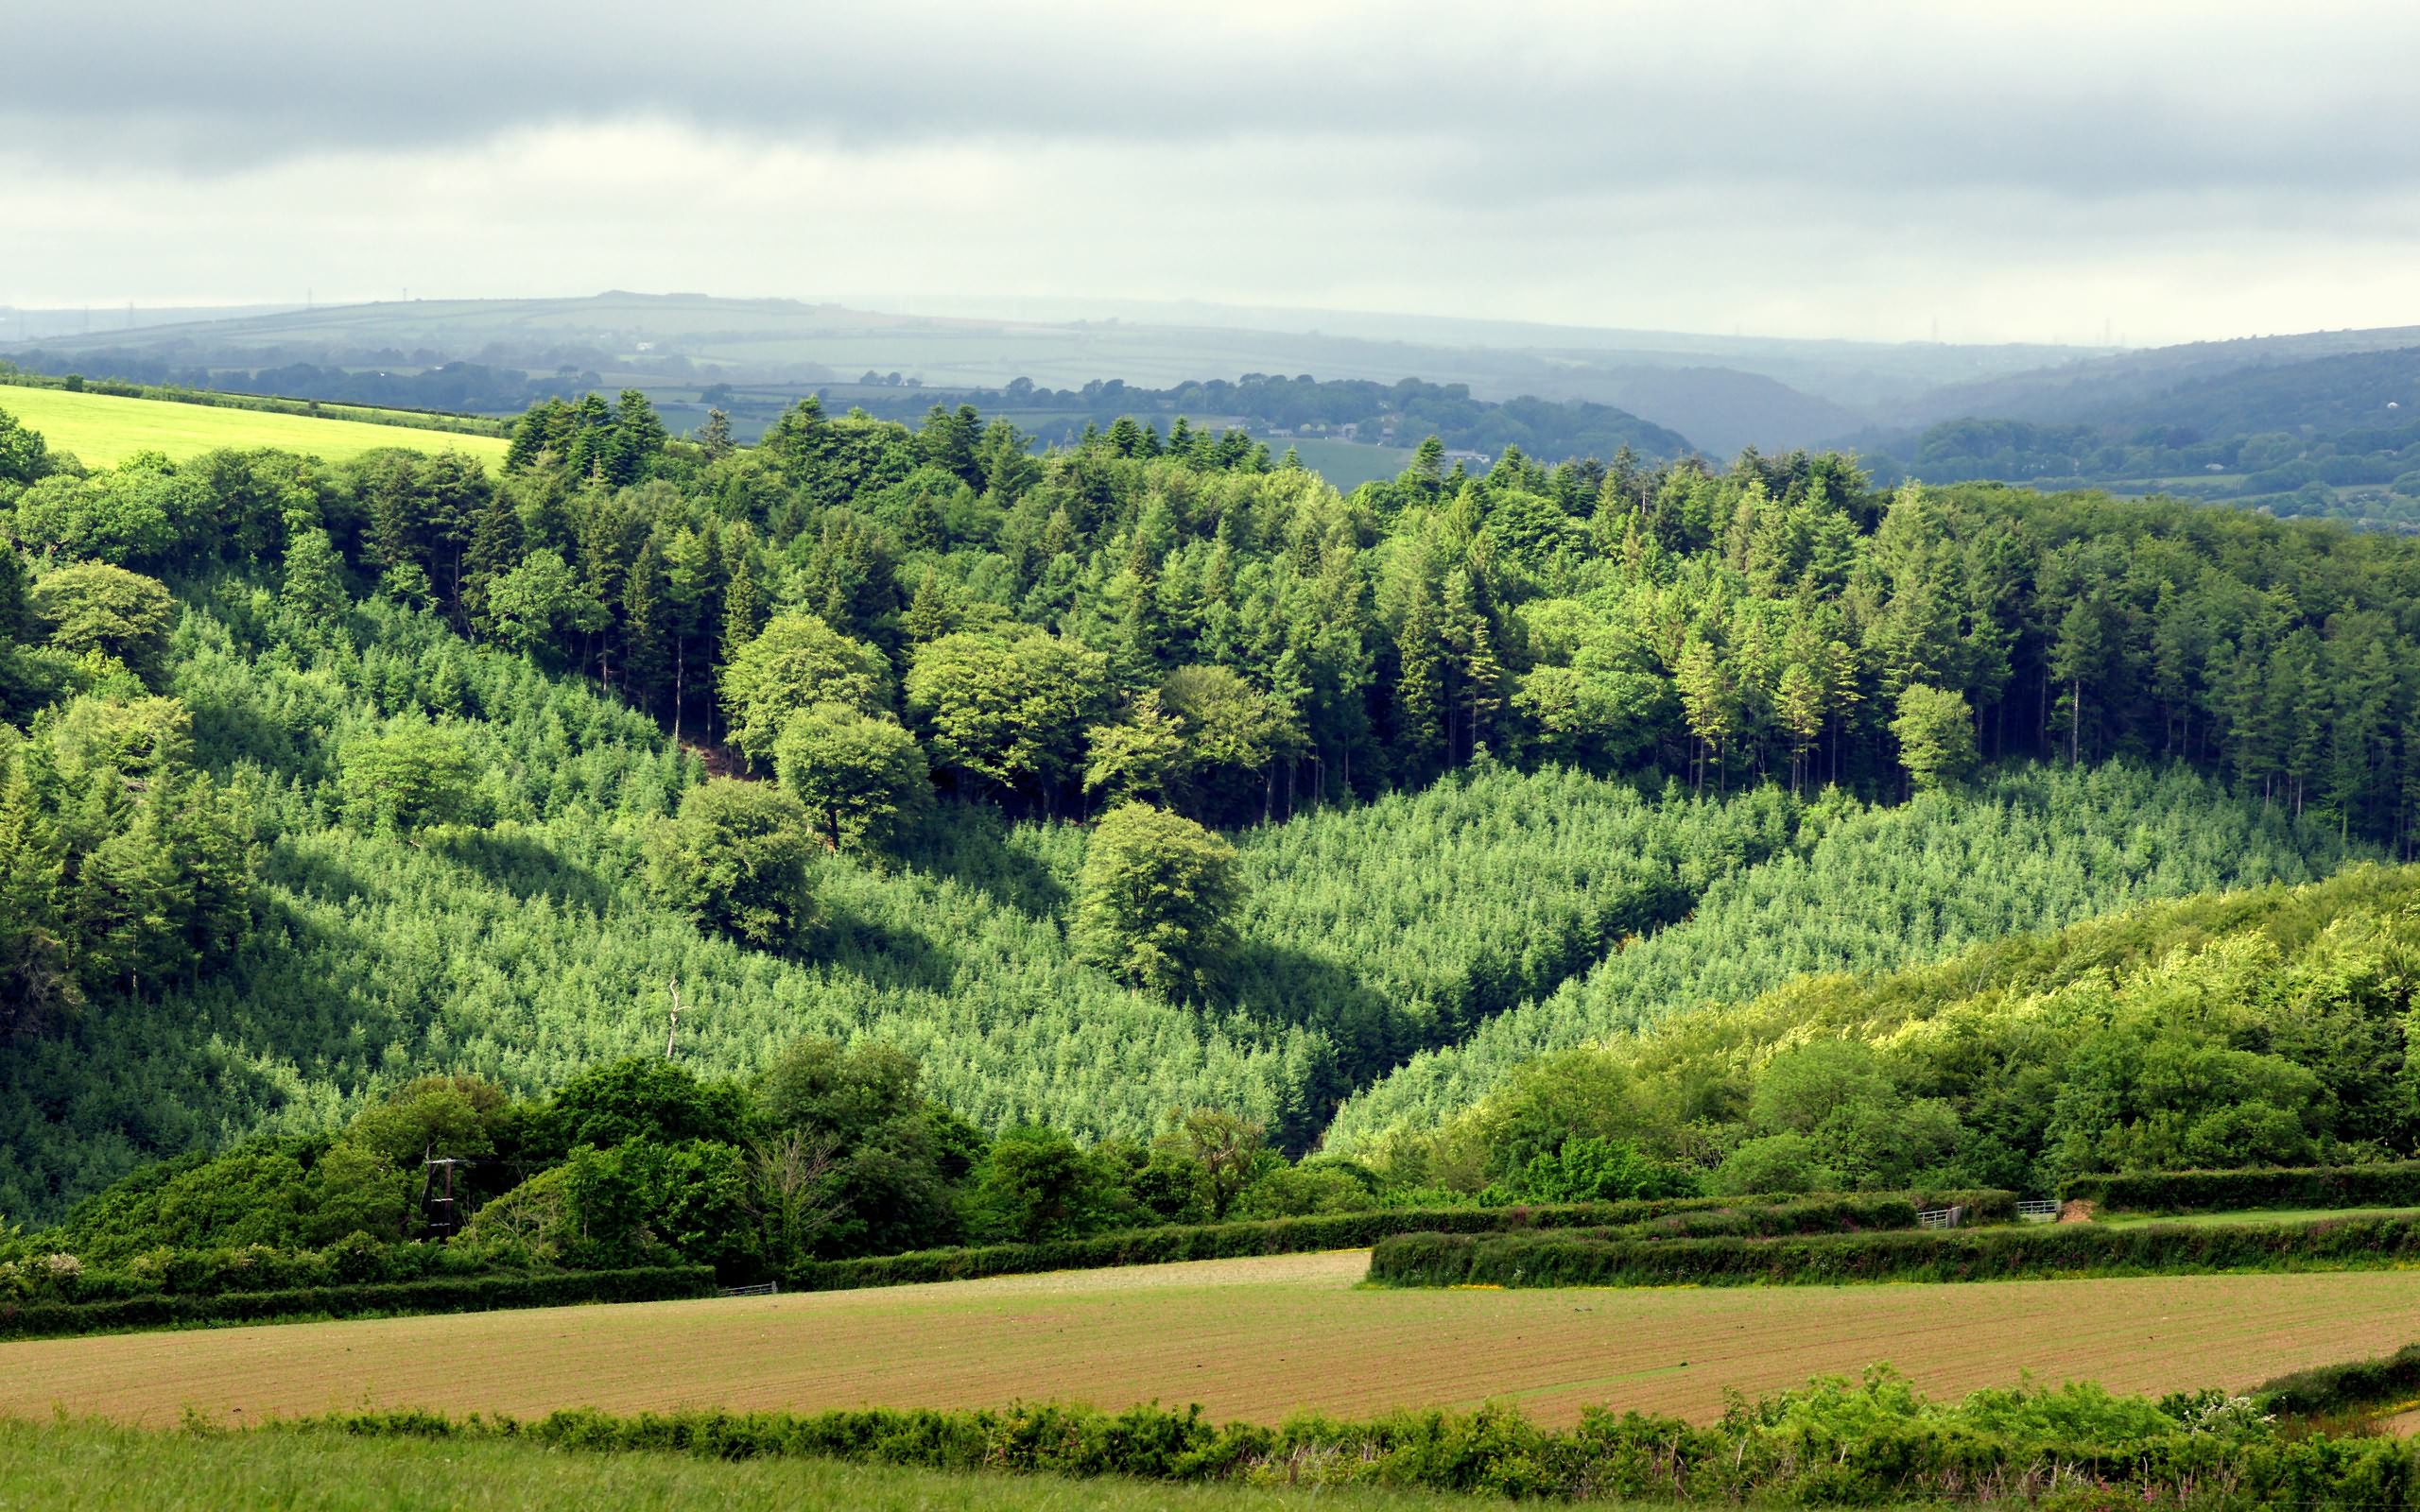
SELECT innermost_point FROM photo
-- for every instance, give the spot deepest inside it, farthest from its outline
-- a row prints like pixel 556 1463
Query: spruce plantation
pixel 886 856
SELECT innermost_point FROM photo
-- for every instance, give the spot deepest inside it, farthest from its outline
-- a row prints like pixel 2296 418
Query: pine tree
pixel 37 980
pixel 496 547
pixel 647 628
pixel 314 591
pixel 743 601
pixel 930 616
pixel 1419 686
pixel 714 441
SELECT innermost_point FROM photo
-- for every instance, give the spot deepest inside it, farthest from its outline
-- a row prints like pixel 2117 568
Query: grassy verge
pixel 1877 1443
pixel 76 1467
pixel 2253 1215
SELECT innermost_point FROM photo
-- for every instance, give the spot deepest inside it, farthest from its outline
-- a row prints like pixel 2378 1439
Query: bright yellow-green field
pixel 104 429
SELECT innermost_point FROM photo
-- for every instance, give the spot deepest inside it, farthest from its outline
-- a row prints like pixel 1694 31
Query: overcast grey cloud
pixel 1856 168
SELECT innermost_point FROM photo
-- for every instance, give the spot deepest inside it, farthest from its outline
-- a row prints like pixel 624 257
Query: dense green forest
pixel 1143 774
pixel 2260 1027
pixel 2222 465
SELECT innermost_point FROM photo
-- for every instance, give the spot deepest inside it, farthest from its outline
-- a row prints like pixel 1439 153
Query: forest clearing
pixel 1255 1340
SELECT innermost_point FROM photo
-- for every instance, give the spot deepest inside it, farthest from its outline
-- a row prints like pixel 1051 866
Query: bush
pixel 1870 1443
pixel 2386 1185
pixel 1346 1231
pixel 463 1294
pixel 2337 1387
pixel 1950 1255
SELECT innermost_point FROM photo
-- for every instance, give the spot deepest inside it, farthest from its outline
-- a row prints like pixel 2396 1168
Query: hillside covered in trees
pixel 1146 773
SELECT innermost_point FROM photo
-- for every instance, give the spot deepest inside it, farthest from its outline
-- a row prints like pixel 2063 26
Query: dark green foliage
pixel 2332 1389
pixel 2394 1184
pixel 1874 1443
pixel 1950 1255
pixel 643 1098
pixel 1344 1230
pixel 469 1294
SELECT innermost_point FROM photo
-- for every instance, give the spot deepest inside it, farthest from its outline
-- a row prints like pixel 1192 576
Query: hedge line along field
pixel 1247 1339
pixel 74 1467
pixel 105 429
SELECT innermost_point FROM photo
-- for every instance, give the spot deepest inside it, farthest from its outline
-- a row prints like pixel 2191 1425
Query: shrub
pixel 2386 1185
pixel 461 1294
pixel 1348 1230
pixel 1952 1255
pixel 1874 1442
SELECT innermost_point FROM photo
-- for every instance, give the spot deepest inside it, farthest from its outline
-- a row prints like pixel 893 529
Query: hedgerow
pixel 472 1294
pixel 2392 1185
pixel 1952 1255
pixel 1353 1230
pixel 2329 1388
pixel 1876 1442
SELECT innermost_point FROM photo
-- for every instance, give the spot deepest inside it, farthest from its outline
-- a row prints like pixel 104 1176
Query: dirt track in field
pixel 1245 1338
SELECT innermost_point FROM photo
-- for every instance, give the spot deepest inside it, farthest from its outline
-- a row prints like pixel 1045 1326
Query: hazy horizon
pixel 1878 170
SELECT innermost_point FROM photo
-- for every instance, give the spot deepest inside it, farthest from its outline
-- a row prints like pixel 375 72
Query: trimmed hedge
pixel 2340 1388
pixel 1945 1255
pixel 1875 1444
pixel 2394 1184
pixel 1343 1231
pixel 473 1293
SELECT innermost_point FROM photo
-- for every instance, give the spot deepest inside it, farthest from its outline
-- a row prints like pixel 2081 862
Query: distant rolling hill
pixel 1720 393
pixel 2101 389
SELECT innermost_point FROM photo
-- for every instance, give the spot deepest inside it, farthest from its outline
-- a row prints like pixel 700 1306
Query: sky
pixel 1860 168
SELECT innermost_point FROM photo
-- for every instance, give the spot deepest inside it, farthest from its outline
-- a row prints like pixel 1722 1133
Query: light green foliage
pixel 25 453
pixel 796 662
pixel 1869 889
pixel 734 860
pixel 540 600
pixel 1936 734
pixel 860 776
pixel 1156 898
pixel 1382 914
pixel 1009 710
pixel 1138 758
pixel 95 607
pixel 1037 1184
pixel 409 778
pixel 128 515
pixel 2250 1028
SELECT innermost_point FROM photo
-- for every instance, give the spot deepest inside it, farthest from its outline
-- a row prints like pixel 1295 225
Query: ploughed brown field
pixel 1245 1338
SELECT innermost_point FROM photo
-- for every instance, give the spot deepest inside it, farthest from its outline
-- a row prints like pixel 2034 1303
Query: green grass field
pixel 73 1467
pixel 2273 1215
pixel 103 429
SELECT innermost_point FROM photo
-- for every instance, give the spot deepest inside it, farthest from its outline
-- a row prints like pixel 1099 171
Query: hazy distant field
pixel 104 429
pixel 1254 1339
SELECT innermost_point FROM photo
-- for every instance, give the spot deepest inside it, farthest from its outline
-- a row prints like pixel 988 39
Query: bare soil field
pixel 1245 1338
